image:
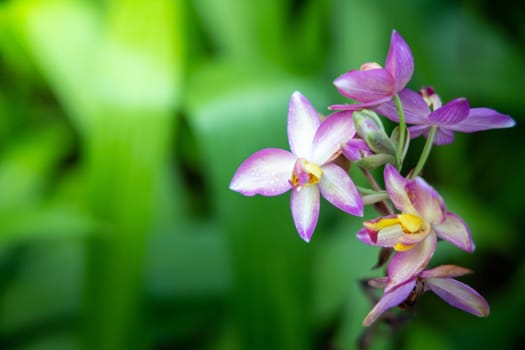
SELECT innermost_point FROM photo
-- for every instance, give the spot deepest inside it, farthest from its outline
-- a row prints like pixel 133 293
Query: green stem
pixel 402 131
pixel 426 151
pixel 384 206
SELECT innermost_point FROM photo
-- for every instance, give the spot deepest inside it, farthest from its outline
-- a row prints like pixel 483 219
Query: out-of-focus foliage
pixel 122 122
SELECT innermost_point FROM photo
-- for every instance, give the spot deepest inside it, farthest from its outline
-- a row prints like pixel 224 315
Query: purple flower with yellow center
pixel 413 233
pixel 307 170
pixel 438 280
pixel 372 84
pixel 425 111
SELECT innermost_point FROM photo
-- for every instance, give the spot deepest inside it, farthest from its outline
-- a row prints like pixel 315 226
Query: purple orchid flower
pixel 373 85
pixel 439 280
pixel 307 170
pixel 424 110
pixel 413 233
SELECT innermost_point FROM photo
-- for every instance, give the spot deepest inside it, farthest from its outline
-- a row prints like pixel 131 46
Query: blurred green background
pixel 122 123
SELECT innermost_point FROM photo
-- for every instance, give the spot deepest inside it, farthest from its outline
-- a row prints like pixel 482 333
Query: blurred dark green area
pixel 122 123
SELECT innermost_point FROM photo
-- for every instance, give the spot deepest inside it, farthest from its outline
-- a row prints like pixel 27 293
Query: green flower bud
pixel 370 128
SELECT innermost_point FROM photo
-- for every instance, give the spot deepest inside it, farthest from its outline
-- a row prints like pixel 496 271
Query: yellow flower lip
pixel 412 223
pixel 408 223
pixel 305 173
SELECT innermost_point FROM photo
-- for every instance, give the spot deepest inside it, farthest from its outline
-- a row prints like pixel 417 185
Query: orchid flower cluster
pixel 323 149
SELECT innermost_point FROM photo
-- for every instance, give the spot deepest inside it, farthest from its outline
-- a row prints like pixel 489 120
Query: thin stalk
pixel 402 130
pixel 425 152
pixel 383 205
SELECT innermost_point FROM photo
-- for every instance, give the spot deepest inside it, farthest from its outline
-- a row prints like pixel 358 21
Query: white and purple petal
pixel 266 172
pixel 390 299
pixel 366 85
pixel 483 119
pixel 407 264
pixel 399 61
pixel 332 134
pixel 427 202
pixel 451 113
pixel 459 295
pixel 337 188
pixel 303 122
pixel 305 210
pixel 456 231
pixel 395 187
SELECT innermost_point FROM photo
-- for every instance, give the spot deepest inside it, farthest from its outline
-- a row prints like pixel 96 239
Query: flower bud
pixel 375 161
pixel 370 128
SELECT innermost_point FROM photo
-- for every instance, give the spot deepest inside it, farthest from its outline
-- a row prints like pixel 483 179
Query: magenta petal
pixel 303 122
pixel 407 264
pixel 414 107
pixel 359 106
pixel 395 187
pixel 337 188
pixel 450 114
pixel 390 299
pixel 456 231
pixel 483 119
pixel 443 136
pixel 418 130
pixel 266 172
pixel 445 271
pixel 459 295
pixel 366 85
pixel 399 61
pixel 427 202
pixel 365 236
pixel 356 149
pixel 305 210
pixel 334 131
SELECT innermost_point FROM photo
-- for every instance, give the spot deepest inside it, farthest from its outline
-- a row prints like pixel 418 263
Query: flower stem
pixel 426 151
pixel 381 206
pixel 402 131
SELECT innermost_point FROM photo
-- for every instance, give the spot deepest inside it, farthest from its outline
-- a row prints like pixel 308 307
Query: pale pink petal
pixel 337 188
pixel 389 236
pixel 266 172
pixel 390 299
pixel 303 122
pixel 483 119
pixel 415 108
pixel 385 237
pixel 456 231
pixel 369 235
pixel 445 271
pixel 395 187
pixel 407 264
pixel 399 61
pixel 334 131
pixel 412 238
pixel 379 282
pixel 427 202
pixel 459 295
pixel 305 210
pixel 366 85
pixel 450 114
